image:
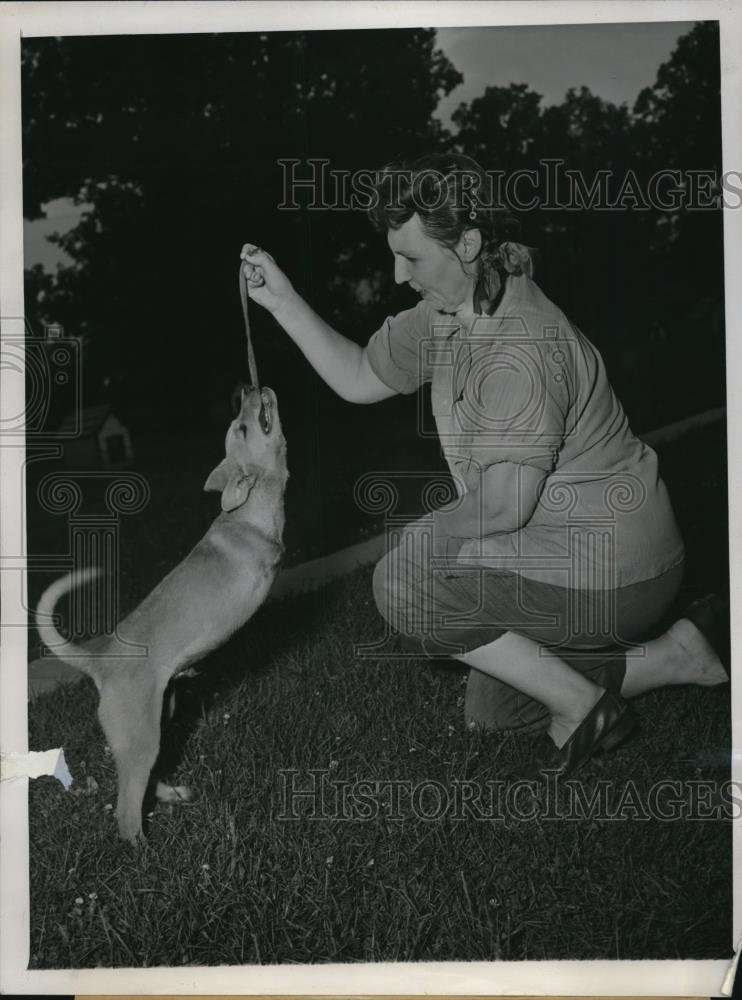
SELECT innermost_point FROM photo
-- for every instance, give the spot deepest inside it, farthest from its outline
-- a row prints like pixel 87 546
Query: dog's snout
pixel 242 398
pixel 257 404
pixel 250 390
pixel 238 398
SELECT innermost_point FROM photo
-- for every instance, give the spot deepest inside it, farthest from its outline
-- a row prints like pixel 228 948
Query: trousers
pixel 440 608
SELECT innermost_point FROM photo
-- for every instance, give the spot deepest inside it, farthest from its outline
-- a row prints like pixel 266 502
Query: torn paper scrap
pixel 35 765
pixel 728 984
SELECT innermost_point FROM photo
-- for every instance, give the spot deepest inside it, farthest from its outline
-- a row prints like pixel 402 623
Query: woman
pixel 561 547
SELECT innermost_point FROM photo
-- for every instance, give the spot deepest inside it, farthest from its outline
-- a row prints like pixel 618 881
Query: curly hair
pixel 451 193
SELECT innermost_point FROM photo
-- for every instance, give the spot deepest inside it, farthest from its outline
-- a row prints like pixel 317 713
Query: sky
pixel 615 61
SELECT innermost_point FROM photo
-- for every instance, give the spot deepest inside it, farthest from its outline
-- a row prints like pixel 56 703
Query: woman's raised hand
pixel 266 283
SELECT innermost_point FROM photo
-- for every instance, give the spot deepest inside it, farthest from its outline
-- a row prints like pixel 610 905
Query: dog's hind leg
pixel 172 742
pixel 129 712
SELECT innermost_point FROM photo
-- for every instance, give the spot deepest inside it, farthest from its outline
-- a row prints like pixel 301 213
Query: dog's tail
pixel 77 656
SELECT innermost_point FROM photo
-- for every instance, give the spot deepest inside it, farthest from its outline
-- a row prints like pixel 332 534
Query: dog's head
pixel 255 447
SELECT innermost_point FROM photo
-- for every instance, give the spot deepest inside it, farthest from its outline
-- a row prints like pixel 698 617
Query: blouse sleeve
pixel 518 403
pixel 396 352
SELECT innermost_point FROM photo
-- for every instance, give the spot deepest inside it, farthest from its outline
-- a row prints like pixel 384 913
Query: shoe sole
pixel 619 732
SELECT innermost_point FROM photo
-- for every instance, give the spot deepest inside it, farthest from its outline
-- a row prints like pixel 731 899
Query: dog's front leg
pixel 129 711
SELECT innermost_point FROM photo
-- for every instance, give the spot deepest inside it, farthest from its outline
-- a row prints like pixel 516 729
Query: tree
pixel 644 279
pixel 502 127
pixel 678 117
pixel 678 127
pixel 175 143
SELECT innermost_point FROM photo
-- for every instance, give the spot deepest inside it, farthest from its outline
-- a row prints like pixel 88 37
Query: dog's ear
pixel 218 477
pixel 234 484
pixel 237 490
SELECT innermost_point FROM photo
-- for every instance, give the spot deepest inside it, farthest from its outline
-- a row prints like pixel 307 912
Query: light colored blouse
pixel 525 386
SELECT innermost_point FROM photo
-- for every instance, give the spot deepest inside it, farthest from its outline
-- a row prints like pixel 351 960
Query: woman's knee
pixel 388 587
pixel 399 589
pixel 378 585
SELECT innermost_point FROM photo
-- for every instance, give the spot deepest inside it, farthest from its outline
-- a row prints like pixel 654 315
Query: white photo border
pixel 615 978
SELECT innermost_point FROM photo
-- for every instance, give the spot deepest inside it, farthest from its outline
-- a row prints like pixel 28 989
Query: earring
pixel 472 207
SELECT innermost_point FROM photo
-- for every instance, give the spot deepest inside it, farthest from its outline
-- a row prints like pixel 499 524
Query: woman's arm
pixel 504 500
pixel 342 363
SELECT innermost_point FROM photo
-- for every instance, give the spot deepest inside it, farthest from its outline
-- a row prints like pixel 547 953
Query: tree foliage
pixel 174 143
pixel 644 279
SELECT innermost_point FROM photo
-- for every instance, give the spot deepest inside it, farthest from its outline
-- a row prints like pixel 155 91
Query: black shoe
pixel 710 615
pixel 609 722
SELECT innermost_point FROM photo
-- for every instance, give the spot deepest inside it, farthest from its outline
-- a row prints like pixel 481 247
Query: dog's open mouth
pixel 265 417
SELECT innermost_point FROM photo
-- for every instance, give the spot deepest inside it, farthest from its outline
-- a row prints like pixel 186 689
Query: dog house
pixel 102 441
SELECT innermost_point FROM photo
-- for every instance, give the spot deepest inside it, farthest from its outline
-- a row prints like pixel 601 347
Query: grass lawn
pixel 233 878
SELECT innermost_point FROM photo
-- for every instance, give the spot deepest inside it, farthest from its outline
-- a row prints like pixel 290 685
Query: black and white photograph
pixel 368 546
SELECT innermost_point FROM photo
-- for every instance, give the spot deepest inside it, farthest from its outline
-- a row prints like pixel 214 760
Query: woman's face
pixel 434 271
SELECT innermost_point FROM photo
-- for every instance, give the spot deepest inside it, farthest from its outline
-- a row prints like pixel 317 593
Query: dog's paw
pixel 172 794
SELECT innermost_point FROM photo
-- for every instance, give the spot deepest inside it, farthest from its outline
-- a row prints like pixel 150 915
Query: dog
pixel 193 610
